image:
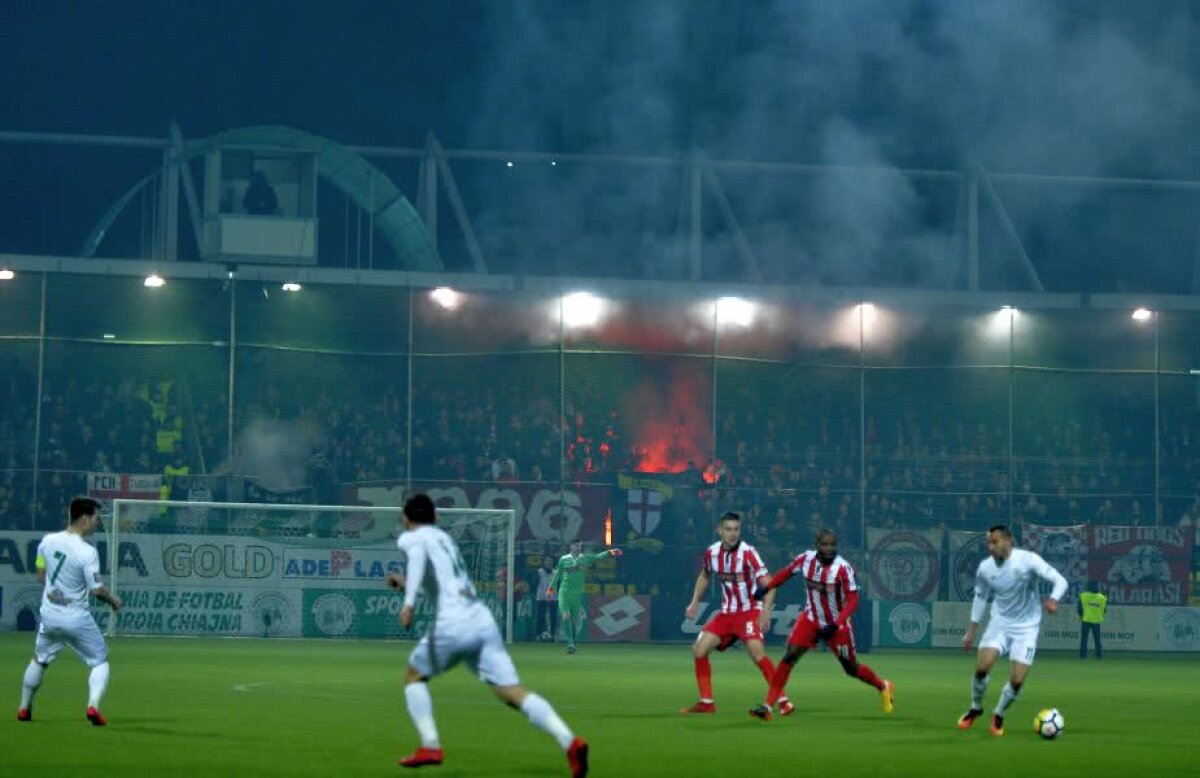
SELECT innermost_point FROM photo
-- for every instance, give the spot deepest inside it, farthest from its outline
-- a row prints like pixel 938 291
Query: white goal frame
pixel 114 535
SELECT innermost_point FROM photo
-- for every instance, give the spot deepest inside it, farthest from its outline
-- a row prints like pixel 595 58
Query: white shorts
pixel 1019 644
pixel 476 641
pixel 79 631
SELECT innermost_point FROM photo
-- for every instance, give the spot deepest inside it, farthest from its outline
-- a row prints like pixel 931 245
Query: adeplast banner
pixel 543 512
pixel 1067 551
pixel 1142 565
pixel 1124 629
pixel 905 565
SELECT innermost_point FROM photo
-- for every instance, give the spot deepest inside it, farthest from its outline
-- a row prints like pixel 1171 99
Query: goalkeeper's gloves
pixel 828 631
pixel 760 591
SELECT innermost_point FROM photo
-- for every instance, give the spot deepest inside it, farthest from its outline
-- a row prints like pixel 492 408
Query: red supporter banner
pixel 1142 565
pixel 543 512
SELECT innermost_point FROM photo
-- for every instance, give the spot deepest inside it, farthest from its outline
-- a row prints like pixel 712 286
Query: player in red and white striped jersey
pixel 832 593
pixel 739 569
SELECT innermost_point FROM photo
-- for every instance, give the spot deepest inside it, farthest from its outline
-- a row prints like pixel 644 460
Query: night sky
pixel 1025 86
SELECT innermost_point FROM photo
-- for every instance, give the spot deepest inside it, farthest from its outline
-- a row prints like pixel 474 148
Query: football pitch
pixel 283 707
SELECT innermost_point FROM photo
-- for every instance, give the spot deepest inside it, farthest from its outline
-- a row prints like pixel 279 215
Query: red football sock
pixel 867 675
pixel 768 670
pixel 782 671
pixel 704 678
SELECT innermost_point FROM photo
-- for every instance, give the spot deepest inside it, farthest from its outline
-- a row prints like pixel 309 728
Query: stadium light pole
pixel 1143 315
pixel 229 411
pixel 862 432
pixel 408 464
pixel 716 324
pixel 1012 374
pixel 37 408
pixel 1157 430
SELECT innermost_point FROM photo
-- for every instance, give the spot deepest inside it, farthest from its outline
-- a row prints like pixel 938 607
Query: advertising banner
pixel 904 624
pixel 1125 629
pixel 367 613
pixel 626 617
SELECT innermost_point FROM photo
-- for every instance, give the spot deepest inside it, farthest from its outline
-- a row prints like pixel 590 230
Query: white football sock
pixel 1007 697
pixel 978 688
pixel 420 710
pixel 33 679
pixel 541 715
pixel 97 683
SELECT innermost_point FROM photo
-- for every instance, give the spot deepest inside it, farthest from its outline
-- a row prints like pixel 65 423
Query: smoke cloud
pixel 1068 89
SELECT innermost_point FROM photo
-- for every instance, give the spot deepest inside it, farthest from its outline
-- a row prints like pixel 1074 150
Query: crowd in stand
pixel 790 466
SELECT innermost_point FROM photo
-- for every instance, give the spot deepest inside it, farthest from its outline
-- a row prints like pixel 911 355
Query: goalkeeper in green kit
pixel 568 580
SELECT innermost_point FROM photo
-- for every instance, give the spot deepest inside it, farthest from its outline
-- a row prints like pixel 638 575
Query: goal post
pixel 281 570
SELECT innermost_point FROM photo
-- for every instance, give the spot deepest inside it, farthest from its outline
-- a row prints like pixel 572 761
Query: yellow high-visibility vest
pixel 1095 605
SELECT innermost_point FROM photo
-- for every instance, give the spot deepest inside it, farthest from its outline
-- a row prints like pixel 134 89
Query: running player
pixel 68 567
pixel 832 592
pixel 463 630
pixel 739 569
pixel 1008 579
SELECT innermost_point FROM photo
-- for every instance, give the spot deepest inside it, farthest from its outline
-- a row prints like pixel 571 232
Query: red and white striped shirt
pixel 738 571
pixel 828 586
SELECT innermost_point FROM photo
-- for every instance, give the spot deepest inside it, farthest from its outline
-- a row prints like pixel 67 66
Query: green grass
pixel 263 707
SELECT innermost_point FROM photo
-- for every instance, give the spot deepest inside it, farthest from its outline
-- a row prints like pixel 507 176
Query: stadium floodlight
pixel 1142 314
pixel 154 281
pixel 109 336
pixel 291 286
pixel 866 313
pixel 446 297
pixel 508 164
pixel 581 309
pixel 735 311
pixel 1001 322
pixel 7 275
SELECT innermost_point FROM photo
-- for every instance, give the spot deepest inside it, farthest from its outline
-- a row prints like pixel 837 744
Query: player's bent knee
pixel 512 696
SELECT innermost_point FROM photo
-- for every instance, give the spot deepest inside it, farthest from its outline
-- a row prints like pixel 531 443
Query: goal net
pixel 270 570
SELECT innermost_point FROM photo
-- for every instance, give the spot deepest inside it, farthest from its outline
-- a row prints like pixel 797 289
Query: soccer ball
pixel 1049 723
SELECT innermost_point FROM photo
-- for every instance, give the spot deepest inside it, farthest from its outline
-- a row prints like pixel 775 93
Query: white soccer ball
pixel 1049 723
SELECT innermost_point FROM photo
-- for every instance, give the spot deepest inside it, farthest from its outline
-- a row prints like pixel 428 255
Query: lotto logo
pixel 623 618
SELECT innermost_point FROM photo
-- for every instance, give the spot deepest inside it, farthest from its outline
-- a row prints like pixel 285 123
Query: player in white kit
pixel 1009 580
pixel 69 569
pixel 463 630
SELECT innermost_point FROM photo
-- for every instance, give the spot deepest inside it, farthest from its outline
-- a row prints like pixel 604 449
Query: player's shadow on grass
pixel 152 727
